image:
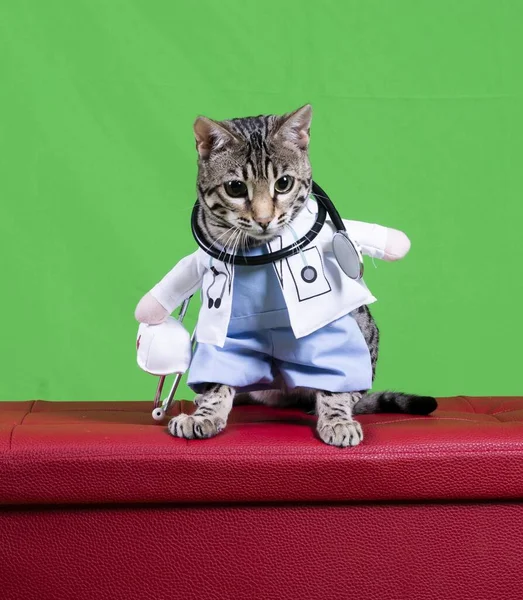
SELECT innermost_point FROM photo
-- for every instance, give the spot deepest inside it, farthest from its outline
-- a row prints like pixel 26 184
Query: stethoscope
pixel 346 252
pixel 217 302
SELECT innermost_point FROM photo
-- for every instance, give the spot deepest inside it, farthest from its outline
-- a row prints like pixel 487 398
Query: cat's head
pixel 254 173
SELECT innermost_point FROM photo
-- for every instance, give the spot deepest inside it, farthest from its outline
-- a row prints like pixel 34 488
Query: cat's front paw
pixel 340 432
pixel 195 426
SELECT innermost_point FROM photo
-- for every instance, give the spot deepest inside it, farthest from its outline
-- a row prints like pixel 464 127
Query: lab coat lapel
pixel 215 312
pixel 301 225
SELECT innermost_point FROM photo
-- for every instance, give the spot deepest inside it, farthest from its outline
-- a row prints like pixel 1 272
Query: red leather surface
pixel 429 552
pixel 471 448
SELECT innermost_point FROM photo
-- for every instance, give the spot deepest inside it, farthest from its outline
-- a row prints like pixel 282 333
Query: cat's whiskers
pixel 226 245
pixel 237 243
pixel 245 241
pixel 220 236
pixel 247 238
pixel 231 242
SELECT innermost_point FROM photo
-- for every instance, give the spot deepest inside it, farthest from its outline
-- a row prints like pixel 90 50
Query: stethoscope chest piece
pixel 309 274
pixel 348 255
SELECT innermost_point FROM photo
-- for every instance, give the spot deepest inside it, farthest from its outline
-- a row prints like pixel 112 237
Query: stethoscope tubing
pixel 325 205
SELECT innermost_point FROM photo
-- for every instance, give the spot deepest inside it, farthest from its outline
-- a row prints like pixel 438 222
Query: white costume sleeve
pixel 372 238
pixel 180 283
pixel 378 241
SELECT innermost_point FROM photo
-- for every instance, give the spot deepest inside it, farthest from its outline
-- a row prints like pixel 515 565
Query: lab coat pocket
pixel 308 274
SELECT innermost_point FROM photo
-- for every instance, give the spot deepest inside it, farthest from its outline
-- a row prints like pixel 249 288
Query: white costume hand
pixel 150 311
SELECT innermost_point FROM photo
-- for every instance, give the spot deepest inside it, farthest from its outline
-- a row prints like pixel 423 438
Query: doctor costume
pixel 288 321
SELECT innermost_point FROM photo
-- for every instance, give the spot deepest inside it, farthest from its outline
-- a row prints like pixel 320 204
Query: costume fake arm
pixel 377 241
pixel 180 283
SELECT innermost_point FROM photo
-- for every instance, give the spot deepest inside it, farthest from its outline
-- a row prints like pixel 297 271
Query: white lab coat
pixel 311 305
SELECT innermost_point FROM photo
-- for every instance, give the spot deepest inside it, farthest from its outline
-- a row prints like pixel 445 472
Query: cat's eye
pixel 235 189
pixel 284 184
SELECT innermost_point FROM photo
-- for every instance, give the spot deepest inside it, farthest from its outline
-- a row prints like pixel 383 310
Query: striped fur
pixel 256 153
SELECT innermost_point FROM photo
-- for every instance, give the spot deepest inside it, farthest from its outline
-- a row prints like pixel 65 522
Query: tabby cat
pixel 240 162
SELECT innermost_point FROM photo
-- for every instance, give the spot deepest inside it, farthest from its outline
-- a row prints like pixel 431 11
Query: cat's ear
pixel 295 127
pixel 210 136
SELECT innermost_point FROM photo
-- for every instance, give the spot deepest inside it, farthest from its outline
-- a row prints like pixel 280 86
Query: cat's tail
pixel 394 402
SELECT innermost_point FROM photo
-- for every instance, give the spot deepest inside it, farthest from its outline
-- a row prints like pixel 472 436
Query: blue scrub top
pixel 257 299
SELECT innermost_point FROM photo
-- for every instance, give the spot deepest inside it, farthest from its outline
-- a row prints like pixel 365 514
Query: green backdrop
pixel 418 125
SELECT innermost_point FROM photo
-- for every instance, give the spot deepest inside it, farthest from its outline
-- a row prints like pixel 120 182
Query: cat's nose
pixel 263 222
